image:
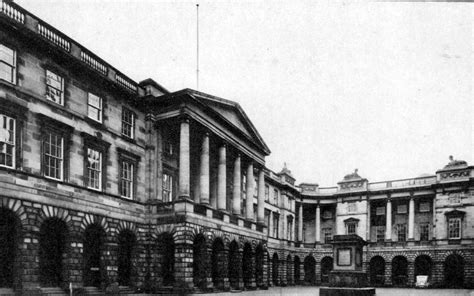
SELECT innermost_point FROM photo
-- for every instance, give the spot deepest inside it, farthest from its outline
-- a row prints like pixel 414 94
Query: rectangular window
pixel 94 105
pixel 454 228
pixel 94 169
pixel 167 187
pixel 127 179
pixel 276 220
pixel 54 87
pixel 289 230
pixel 53 151
pixel 402 232
pixel 128 123
pixel 380 211
pixel 7 64
pixel 380 233
pixel 327 233
pixel 275 197
pixel 351 228
pixel 327 214
pixel 168 149
pixel 402 209
pixel 424 207
pixel 267 192
pixel 7 141
pixel 424 231
pixel 351 207
pixel 267 220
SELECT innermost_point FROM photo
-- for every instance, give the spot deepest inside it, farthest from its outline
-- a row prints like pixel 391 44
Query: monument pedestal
pixel 347 277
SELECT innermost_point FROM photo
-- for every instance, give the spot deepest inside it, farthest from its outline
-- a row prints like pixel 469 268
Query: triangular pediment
pixel 233 114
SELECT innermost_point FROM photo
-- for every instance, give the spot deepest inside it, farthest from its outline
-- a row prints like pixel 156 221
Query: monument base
pixel 349 278
pixel 338 291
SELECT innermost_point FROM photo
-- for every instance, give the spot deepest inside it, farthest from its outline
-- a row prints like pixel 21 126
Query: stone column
pixel 261 197
pixel 236 193
pixel 221 179
pixel 204 171
pixel 184 165
pixel 318 224
pixel 367 233
pixel 411 218
pixel 388 222
pixel 250 189
pixel 300 223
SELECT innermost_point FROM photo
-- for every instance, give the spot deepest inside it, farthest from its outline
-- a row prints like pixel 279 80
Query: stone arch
pixel 310 269
pixel 94 249
pixel 275 271
pixel 326 267
pixel 259 264
pixel 89 219
pixel 247 262
pixel 234 264
pixel 127 226
pixel 377 270
pixel 423 265
pixel 219 263
pixel 201 261
pixel 54 212
pixel 399 270
pixel 127 244
pixel 165 246
pixel 384 256
pixel 289 269
pixel 54 242
pixel 454 270
pixel 296 269
pixel 11 234
pixel 16 207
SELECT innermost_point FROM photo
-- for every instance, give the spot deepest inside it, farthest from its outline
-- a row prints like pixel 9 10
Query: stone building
pixel 112 185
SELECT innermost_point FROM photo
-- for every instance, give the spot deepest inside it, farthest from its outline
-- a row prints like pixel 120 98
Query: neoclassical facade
pixel 112 186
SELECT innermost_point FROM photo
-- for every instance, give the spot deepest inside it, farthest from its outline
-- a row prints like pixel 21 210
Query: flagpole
pixel 197 46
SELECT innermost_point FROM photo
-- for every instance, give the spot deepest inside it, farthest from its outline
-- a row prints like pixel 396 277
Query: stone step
pixel 93 291
pixel 52 291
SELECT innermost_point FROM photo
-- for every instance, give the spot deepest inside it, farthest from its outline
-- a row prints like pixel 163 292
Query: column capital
pixel 184 118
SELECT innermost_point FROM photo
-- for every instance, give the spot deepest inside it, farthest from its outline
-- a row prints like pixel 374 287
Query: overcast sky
pixel 382 87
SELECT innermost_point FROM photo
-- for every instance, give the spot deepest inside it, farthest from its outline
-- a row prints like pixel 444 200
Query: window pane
pixel 7 141
pixel 94 163
pixel 52 147
pixel 6 72
pixel 95 101
pixel 7 55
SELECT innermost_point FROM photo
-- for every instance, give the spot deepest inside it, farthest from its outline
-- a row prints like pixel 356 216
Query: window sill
pixel 128 139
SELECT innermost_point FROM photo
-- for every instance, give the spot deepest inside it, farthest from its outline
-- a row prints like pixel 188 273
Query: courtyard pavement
pixel 314 291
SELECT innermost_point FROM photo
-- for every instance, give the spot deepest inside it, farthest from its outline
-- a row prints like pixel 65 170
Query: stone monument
pixel 347 277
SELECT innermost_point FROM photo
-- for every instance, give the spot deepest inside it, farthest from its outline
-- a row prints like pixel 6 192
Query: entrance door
pixel 93 245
